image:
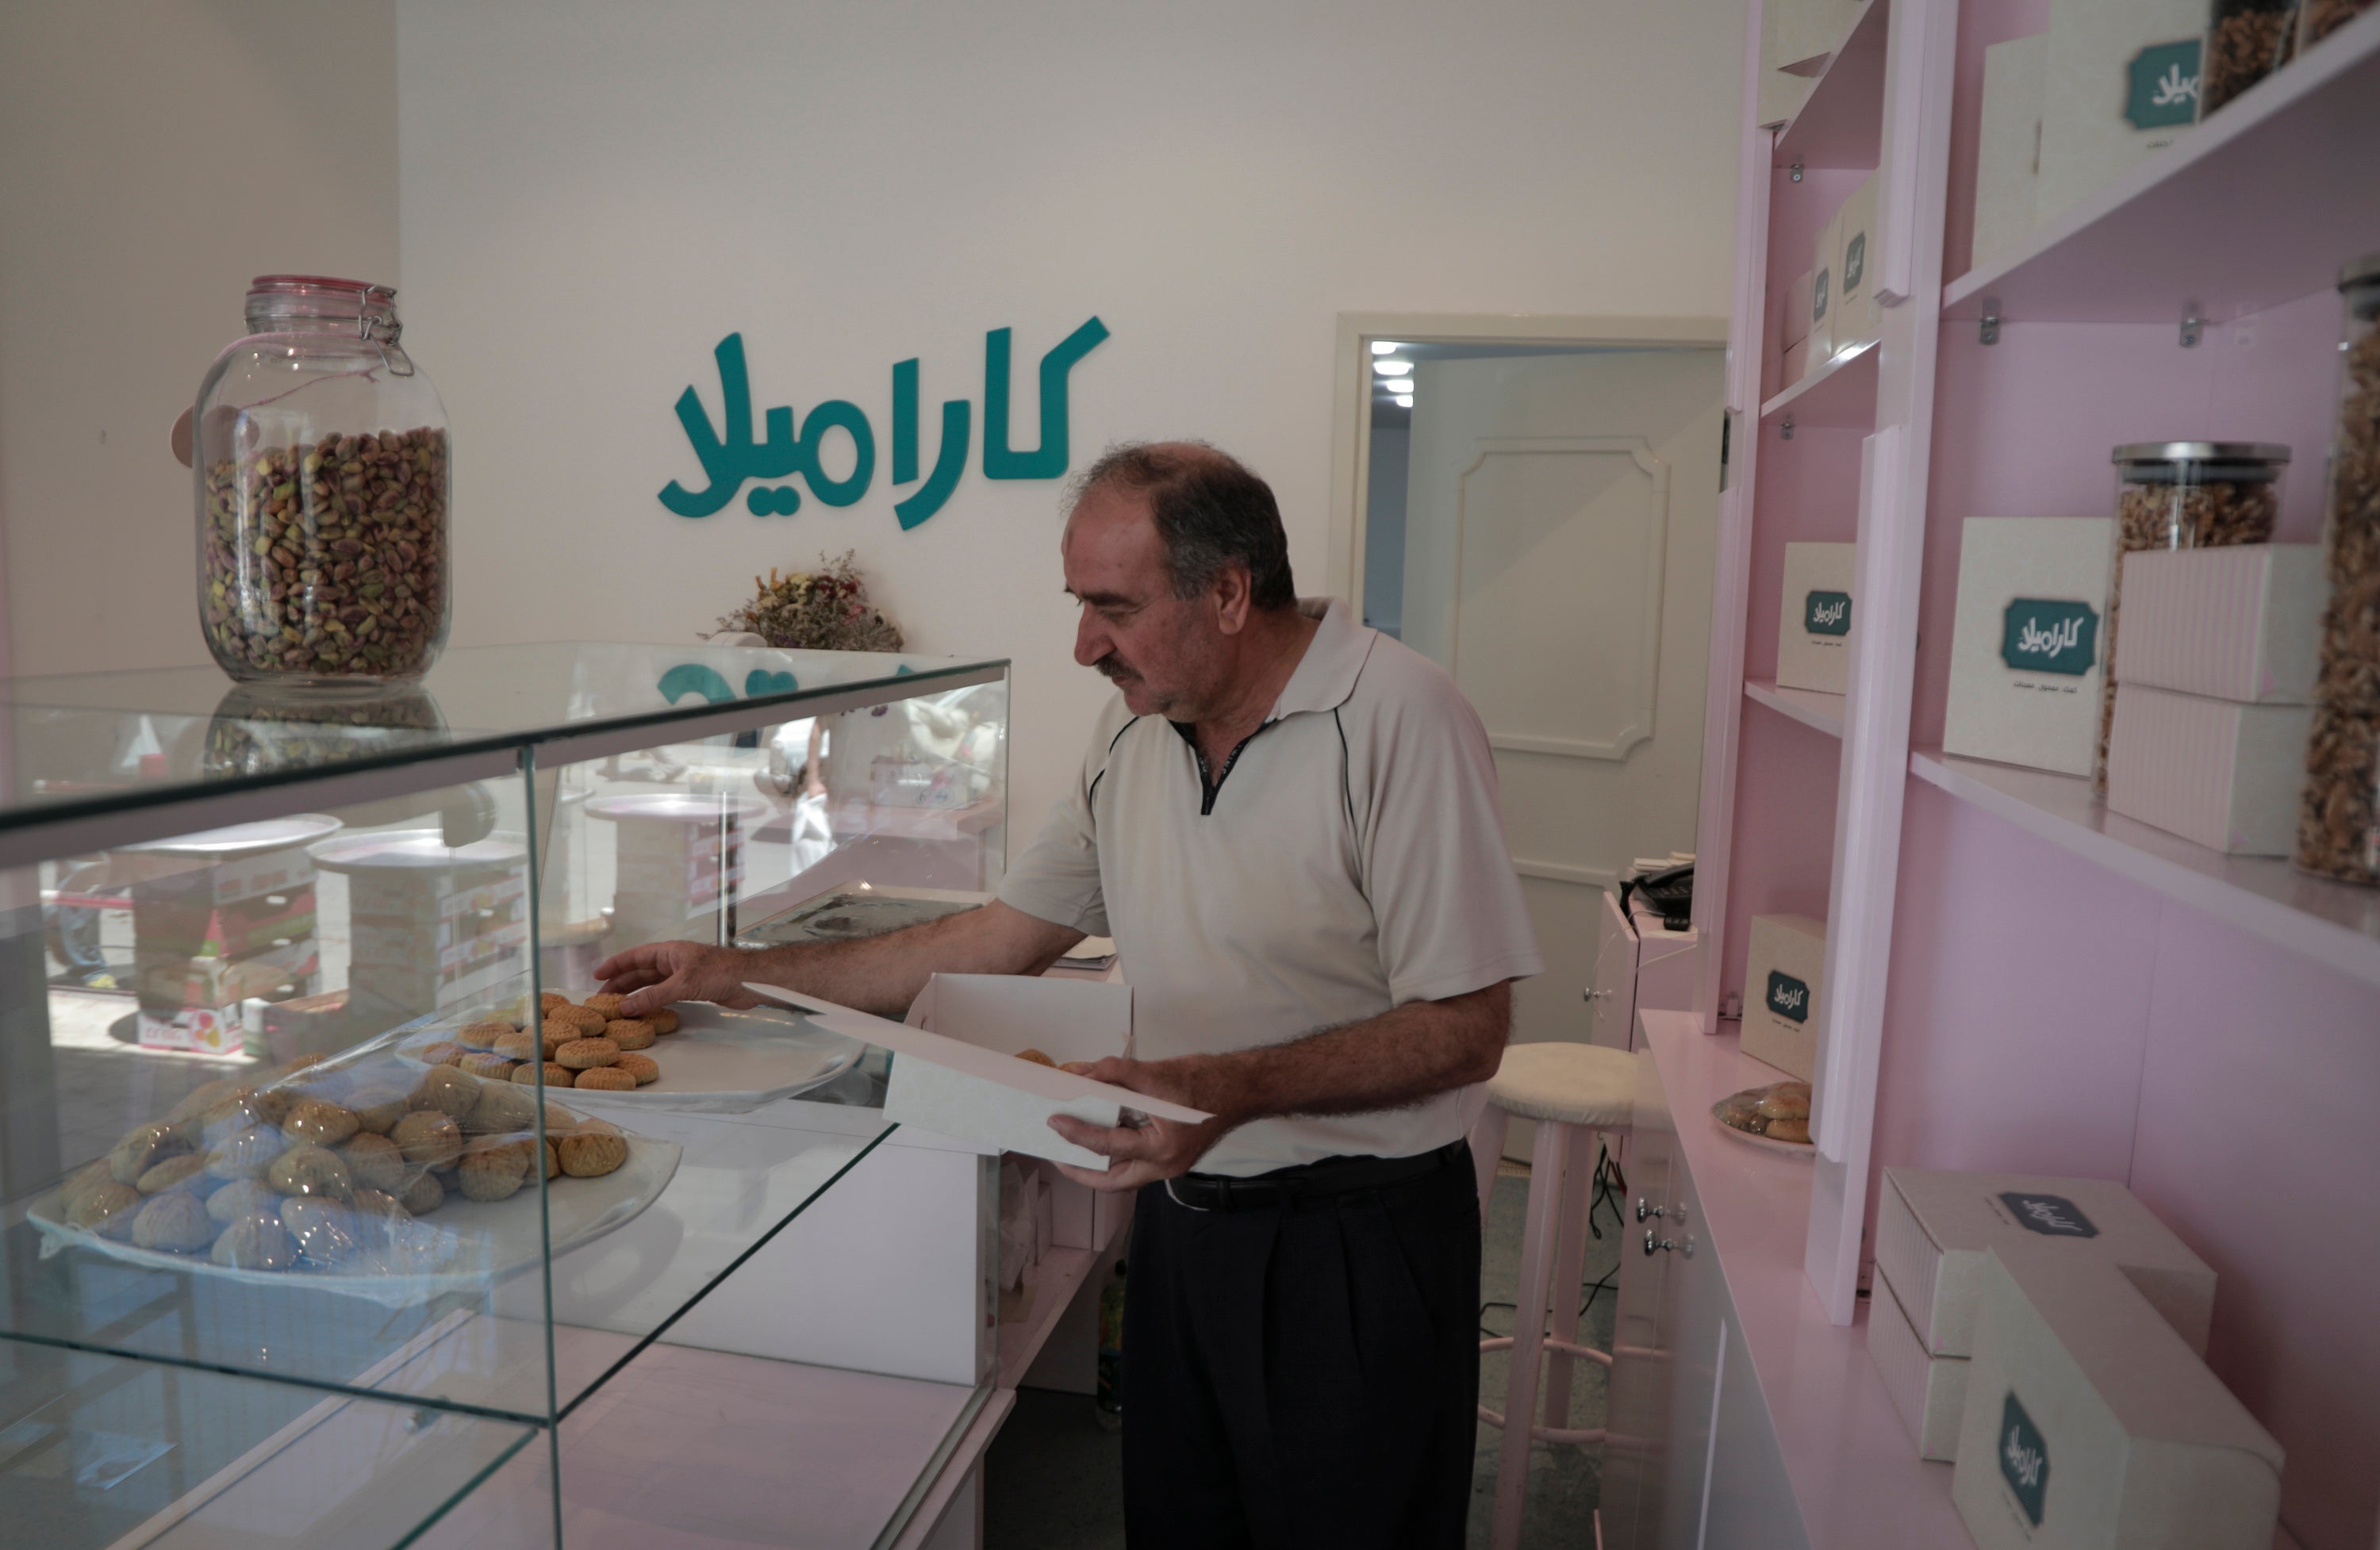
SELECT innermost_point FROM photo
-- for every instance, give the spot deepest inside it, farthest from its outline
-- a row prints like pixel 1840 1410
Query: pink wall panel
pixel 1784 826
pixel 2256 1143
pixel 2016 1009
pixel 1808 494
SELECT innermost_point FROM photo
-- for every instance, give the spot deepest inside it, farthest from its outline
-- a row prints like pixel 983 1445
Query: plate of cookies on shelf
pixel 1775 1117
pixel 694 1057
pixel 368 1174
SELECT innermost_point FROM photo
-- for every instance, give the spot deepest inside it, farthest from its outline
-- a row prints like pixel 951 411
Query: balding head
pixel 1210 513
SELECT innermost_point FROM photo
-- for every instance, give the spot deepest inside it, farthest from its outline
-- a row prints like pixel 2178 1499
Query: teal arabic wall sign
pixel 733 458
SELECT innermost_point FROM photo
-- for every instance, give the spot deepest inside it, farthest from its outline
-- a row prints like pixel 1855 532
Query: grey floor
pixel 1053 1476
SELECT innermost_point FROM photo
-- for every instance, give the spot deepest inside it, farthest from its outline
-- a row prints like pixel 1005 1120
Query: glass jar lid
pixel 2163 462
pixel 277 302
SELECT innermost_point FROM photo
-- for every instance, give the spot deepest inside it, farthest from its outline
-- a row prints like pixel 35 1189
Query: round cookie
pixel 448 1089
pixel 644 1067
pixel 518 1046
pixel 553 1035
pixel 424 1196
pixel 553 1162
pixel 428 1139
pixel 663 1021
pixel 176 1223
pixel 586 1019
pixel 1774 1105
pixel 374 1206
pixel 553 998
pixel 185 1175
pixel 321 1123
pixel 630 1033
pixel 482 1035
pixel 585 1054
pixel 445 1052
pixel 310 1169
pixel 610 1079
pixel 242 1197
pixel 494 1166
pixel 592 1150
pixel 556 1075
pixel 142 1149
pixel 1037 1057
pixel 81 1182
pixel 257 1243
pixel 107 1210
pixel 378 1106
pixel 501 1109
pixel 1789 1130
pixel 248 1153
pixel 489 1068
pixel 604 1002
pixel 374 1163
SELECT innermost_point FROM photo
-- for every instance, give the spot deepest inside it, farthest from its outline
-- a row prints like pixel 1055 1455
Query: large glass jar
pixel 321 463
pixel 2183 495
pixel 2318 19
pixel 2246 40
pixel 2339 822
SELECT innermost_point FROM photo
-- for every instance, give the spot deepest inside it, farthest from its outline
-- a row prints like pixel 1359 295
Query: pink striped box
pixel 2217 771
pixel 2237 623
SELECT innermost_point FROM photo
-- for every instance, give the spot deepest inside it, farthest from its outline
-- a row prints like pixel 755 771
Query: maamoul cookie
pixel 310 1169
pixel 518 1046
pixel 553 1161
pixel 242 1197
pixel 448 1089
pixel 378 1106
pixel 445 1052
pixel 323 1124
pixel 1037 1057
pixel 204 1097
pixel 1778 1106
pixel 556 1075
pixel 257 1243
pixel 142 1149
pixel 489 1068
pixel 428 1139
pixel 612 1078
pixel 482 1035
pixel 493 1166
pixel 107 1210
pixel 604 1002
pixel 246 1155
pixel 663 1021
pixel 185 1174
pixel 554 1034
pixel 644 1067
pixel 424 1196
pixel 372 1205
pixel 374 1162
pixel 629 1032
pixel 585 1054
pixel 592 1150
pixel 81 1182
pixel 501 1109
pixel 551 999
pixel 1789 1130
pixel 178 1223
pixel 586 1019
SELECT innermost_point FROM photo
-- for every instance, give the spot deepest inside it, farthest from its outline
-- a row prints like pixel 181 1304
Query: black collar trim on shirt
pixel 1211 787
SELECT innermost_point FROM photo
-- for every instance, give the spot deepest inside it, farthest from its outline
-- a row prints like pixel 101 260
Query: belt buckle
pixel 1177 1200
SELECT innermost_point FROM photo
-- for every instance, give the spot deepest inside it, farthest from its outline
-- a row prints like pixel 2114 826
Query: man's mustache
pixel 1112 667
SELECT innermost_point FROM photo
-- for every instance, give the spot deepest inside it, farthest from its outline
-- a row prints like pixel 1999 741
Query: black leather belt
pixel 1316 1181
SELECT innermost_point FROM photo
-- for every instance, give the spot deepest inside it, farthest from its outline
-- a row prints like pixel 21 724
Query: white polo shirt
pixel 1350 859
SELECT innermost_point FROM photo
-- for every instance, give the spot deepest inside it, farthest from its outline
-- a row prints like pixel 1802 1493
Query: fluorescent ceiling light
pixel 1392 368
pixel 1405 401
pixel 1385 347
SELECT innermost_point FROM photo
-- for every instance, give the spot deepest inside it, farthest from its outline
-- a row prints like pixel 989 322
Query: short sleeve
pixel 1447 905
pixel 1057 878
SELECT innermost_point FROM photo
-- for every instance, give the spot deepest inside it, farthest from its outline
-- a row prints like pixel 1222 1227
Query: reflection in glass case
pixel 317 1156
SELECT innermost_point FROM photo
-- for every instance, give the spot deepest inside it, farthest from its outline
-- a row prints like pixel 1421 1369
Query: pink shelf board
pixel 1812 708
pixel 1855 1472
pixel 1839 394
pixel 2257 206
pixel 1841 122
pixel 2333 924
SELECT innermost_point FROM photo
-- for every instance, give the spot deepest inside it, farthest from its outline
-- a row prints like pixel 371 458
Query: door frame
pixel 1351 408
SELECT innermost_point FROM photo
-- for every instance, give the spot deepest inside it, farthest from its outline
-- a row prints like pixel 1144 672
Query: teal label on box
pixel 2044 636
pixel 2161 86
pixel 1827 614
pixel 2024 1458
pixel 1788 997
pixel 1818 297
pixel 1854 261
pixel 2052 1215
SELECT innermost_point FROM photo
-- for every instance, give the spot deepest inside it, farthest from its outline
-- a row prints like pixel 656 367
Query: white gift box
pixel 2120 83
pixel 1934 1229
pixel 1793 325
pixel 2223 774
pixel 1813 629
pixel 2090 1425
pixel 2028 641
pixel 2241 621
pixel 1783 975
pixel 1929 1391
pixel 1825 283
pixel 2008 145
pixel 1795 366
pixel 1858 317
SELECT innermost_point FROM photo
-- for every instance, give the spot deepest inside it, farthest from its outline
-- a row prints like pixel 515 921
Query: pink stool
pixel 1572 1091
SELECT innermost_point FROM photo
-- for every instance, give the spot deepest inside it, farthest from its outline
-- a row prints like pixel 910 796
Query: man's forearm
pixel 1394 1060
pixel 883 974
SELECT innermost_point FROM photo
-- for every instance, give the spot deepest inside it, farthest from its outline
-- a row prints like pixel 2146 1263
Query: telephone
pixel 1672 891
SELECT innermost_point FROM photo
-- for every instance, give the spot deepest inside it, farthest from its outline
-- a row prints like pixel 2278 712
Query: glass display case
pixel 302 1239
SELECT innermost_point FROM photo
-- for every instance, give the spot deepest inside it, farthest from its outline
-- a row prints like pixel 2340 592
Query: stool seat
pixel 1567 1083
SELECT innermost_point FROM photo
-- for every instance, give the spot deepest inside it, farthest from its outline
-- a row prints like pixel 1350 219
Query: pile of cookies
pixel 1781 1111
pixel 583 1043
pixel 328 1168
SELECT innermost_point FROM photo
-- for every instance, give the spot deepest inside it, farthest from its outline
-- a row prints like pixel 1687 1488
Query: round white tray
pixel 721 1061
pixel 1803 1149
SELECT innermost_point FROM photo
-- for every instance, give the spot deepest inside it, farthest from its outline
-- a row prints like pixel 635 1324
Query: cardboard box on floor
pixel 955 1073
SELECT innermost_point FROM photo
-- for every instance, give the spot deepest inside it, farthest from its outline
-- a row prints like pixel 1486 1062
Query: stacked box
pixel 425 938
pixel 2028 641
pixel 206 937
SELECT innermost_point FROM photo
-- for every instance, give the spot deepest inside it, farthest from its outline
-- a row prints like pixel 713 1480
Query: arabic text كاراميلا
pixel 2174 86
pixel 731 456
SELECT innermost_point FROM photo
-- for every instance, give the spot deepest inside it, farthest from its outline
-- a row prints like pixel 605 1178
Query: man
pixel 1289 825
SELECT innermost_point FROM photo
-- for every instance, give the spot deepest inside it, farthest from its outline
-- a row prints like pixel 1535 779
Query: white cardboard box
pixel 1813 629
pixel 2121 84
pixel 1929 1391
pixel 974 1089
pixel 2008 146
pixel 1783 975
pixel 2223 774
pixel 1858 316
pixel 1825 283
pixel 2240 623
pixel 1793 324
pixel 1934 1229
pixel 2090 1425
pixel 2028 641
pixel 1795 366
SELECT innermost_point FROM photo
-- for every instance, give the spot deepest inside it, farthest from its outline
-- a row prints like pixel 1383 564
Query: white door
pixel 1560 534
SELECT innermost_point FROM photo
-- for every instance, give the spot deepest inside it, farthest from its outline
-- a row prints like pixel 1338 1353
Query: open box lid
pixel 981 1094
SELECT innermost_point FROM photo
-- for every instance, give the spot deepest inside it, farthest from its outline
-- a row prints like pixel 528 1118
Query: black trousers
pixel 1305 1376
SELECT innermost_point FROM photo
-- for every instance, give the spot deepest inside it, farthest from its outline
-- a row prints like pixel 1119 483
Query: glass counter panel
pixel 97 1451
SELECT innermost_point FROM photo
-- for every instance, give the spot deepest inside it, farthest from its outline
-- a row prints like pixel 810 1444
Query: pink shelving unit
pixel 2015 978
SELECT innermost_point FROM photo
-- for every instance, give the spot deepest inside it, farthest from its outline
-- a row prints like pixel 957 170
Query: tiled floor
pixel 1053 1477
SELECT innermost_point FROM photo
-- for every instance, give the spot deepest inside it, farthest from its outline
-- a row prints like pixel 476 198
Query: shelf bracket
pixel 1794 172
pixel 2193 326
pixel 1988 331
pixel 1787 429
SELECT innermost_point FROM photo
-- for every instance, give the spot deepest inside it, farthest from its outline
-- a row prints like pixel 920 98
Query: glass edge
pixel 530 1431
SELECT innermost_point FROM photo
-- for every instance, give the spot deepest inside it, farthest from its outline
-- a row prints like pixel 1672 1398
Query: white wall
pixel 154 155
pixel 593 195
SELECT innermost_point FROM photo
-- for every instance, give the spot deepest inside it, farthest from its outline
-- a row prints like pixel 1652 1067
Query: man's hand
pixel 654 975
pixel 1155 1148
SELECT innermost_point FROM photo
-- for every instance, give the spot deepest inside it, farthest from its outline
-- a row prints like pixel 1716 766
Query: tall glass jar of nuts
pixel 2183 495
pixel 318 452
pixel 2339 818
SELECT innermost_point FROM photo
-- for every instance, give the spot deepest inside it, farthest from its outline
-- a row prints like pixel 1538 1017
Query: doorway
pixel 1534 504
